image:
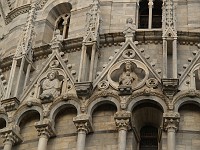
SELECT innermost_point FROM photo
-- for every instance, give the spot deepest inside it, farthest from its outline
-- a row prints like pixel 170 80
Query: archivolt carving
pixel 129 72
pixel 149 93
pixel 189 93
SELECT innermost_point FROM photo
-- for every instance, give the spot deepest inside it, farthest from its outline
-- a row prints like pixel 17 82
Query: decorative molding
pixel 16 12
pixel 83 89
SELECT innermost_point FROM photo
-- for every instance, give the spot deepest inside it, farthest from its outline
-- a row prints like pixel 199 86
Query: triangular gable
pixel 90 37
pixel 169 32
pixel 54 55
pixel 118 55
pixel 195 60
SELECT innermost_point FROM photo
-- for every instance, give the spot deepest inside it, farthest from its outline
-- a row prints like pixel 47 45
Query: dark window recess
pixel 157 14
pixel 60 25
pixel 143 14
pixel 149 138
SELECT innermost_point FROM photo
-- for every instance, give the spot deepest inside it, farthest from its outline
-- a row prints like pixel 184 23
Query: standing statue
pixel 128 77
pixel 51 86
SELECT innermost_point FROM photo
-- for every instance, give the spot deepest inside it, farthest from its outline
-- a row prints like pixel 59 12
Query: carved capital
pixel 123 120
pixel 171 120
pixel 11 134
pixel 45 128
pixel 10 104
pixel 83 123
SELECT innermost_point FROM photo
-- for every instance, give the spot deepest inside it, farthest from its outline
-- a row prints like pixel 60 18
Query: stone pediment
pixel 53 80
pixel 129 52
pixel 190 69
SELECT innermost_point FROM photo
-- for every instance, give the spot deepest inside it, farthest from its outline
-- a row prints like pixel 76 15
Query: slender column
pixel 164 58
pixel 19 76
pixel 92 62
pixel 11 137
pixel 82 63
pixel 83 125
pixel 11 78
pixel 45 131
pixel 122 121
pixel 150 13
pixel 27 75
pixel 175 58
pixel 171 122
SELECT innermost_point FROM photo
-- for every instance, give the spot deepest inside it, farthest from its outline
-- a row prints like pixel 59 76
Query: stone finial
pixel 123 120
pixel 130 29
pixel 11 134
pixel 45 128
pixel 171 120
pixel 83 123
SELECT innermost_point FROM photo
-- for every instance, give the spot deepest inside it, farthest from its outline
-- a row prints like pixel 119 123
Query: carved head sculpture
pixel 52 75
pixel 129 21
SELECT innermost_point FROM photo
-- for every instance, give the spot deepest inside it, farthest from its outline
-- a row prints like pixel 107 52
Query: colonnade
pixel 84 126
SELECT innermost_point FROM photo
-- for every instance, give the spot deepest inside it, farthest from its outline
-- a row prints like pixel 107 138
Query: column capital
pixel 45 128
pixel 83 123
pixel 171 120
pixel 11 134
pixel 123 120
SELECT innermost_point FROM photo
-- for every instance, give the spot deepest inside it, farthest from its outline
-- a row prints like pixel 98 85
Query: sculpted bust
pixel 51 86
pixel 128 77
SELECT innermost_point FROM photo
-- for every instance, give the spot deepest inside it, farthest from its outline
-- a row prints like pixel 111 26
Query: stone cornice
pixel 108 39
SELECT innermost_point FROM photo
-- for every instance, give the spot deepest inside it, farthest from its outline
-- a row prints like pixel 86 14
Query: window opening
pixel 149 138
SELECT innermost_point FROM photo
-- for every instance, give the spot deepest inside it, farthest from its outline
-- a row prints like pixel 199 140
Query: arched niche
pixel 154 99
pixel 64 126
pixel 147 114
pixel 3 123
pixel 104 126
pixel 28 131
pixel 101 100
pixel 50 14
pixel 24 110
pixel 186 100
pixel 63 105
pixel 189 125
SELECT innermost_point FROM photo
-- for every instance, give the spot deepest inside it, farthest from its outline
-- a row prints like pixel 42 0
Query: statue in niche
pixel 128 77
pixel 51 86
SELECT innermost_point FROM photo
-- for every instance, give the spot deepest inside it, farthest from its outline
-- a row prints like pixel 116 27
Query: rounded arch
pixel 21 113
pixel 186 100
pixel 56 108
pixel 142 99
pixel 3 120
pixel 50 13
pixel 99 101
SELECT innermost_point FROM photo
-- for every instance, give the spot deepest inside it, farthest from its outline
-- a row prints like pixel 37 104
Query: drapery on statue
pixel 128 77
pixel 51 86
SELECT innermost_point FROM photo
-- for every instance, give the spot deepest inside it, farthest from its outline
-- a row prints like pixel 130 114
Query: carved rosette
pixel 171 120
pixel 11 134
pixel 83 123
pixel 45 128
pixel 123 120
